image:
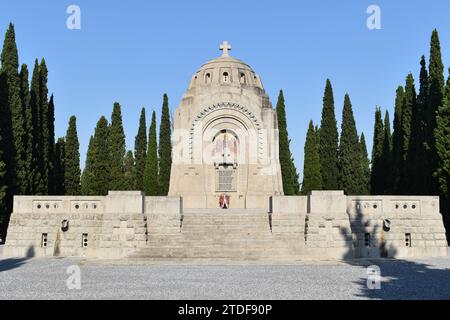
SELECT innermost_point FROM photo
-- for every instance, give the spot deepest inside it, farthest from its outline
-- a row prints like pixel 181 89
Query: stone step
pixel 211 222
pixel 219 211
pixel 235 226
pixel 233 234
pixel 224 231
pixel 182 253
pixel 233 245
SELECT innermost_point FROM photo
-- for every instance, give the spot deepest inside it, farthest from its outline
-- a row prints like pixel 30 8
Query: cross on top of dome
pixel 225 47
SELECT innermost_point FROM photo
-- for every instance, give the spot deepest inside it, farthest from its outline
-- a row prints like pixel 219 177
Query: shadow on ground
pixel 12 263
pixel 400 279
pixel 406 280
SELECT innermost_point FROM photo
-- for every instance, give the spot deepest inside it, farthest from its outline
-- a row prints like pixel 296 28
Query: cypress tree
pixel 3 189
pixel 296 182
pixel 36 178
pixel 87 177
pixel 316 131
pixel 59 167
pixel 312 179
pixel 101 163
pixel 419 174
pixel 44 160
pixel 129 175
pixel 377 174
pixel 284 152
pixel 72 160
pixel 350 169
pixel 116 144
pixel 394 180
pixel 409 103
pixel 365 164
pixel 26 111
pixel 51 146
pixel 151 164
pixel 328 146
pixel 140 152
pixel 435 99
pixel 14 122
pixel 165 148
pixel 442 173
pixel 386 158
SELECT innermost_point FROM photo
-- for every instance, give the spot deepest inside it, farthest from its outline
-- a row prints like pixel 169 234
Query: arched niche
pixel 227 116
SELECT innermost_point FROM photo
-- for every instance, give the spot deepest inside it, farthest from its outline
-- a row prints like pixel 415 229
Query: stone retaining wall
pixel 322 225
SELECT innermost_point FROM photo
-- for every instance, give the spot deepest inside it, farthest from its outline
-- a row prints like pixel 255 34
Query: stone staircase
pixel 217 235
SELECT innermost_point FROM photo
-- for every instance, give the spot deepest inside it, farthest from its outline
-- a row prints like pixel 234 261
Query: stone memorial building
pixel 225 155
pixel 225 138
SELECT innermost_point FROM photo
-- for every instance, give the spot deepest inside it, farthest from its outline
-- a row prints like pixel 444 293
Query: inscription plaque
pixel 226 179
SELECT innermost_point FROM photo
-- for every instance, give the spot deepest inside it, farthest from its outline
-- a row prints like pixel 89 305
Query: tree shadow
pixel 13 263
pixel 363 242
pixel 411 280
pixel 400 279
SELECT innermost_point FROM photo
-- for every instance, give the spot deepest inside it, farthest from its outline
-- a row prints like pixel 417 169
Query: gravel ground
pixel 46 279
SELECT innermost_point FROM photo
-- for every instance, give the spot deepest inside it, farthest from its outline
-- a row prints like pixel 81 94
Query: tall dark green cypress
pixel 101 163
pixel 44 160
pixel 328 146
pixel 350 169
pixel 151 164
pixel 165 148
pixel 129 175
pixel 312 179
pixel 87 177
pixel 26 110
pixel 419 173
pixel 295 177
pixel 395 171
pixel 140 152
pixel 409 103
pixel 435 99
pixel 59 167
pixel 116 144
pixel 72 160
pixel 287 174
pixel 386 158
pixel 12 105
pixel 35 136
pixel 442 173
pixel 3 187
pixel 377 174
pixel 51 146
pixel 365 164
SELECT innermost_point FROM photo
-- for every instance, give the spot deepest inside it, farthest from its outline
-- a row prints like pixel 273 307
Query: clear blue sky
pixel 134 51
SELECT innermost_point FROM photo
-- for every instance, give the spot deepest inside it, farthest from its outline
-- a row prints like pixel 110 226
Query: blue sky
pixel 134 51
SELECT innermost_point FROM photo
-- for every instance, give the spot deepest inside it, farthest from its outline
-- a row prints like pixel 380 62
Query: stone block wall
pixel 322 225
pixel 345 227
pixel 164 215
pixel 107 227
pixel 36 226
pixel 327 227
pixel 396 226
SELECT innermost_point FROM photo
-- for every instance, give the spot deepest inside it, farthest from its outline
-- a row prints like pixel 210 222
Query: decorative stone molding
pixel 226 106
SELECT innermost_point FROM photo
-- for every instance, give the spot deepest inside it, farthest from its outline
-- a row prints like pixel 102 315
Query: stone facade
pixel 225 144
pixel 102 227
pixel 322 225
pixel 225 138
